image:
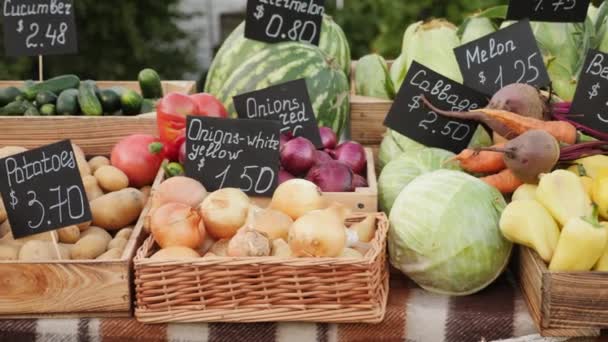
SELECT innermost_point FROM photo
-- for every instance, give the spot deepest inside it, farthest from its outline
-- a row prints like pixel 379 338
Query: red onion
pixel 328 137
pixel 284 176
pixel 298 156
pixel 352 154
pixel 284 138
pixel 322 157
pixel 359 182
pixel 332 176
pixel 182 153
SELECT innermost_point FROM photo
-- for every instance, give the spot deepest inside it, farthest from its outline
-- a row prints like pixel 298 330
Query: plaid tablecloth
pixel 497 313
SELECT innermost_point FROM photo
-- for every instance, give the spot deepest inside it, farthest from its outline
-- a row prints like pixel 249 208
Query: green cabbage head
pixel 444 233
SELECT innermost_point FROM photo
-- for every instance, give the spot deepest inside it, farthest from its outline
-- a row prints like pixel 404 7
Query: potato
pixel 5 228
pixel 3 215
pixel 69 234
pixel 38 237
pixel 117 209
pixel 124 233
pixel 67 246
pixel 91 187
pixel 146 190
pixel 83 166
pixel 97 162
pixel 36 250
pixel 97 231
pixel 175 253
pixel 8 151
pixel 9 250
pixel 89 247
pixel 111 254
pixel 111 178
pixel 84 226
pixel 117 243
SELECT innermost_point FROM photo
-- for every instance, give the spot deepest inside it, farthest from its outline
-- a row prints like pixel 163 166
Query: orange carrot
pixel 511 125
pixel 474 161
pixel 505 181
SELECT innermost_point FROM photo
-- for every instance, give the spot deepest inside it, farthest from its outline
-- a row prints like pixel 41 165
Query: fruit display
pixel 68 95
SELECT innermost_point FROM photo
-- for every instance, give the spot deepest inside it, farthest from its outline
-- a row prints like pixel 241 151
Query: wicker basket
pixel 267 289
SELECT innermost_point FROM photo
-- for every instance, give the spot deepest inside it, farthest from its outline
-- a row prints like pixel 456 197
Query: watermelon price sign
pixel 590 104
pixel 548 10
pixel 42 190
pixel 501 58
pixel 288 103
pixel 274 21
pixel 410 117
pixel 236 153
pixel 39 27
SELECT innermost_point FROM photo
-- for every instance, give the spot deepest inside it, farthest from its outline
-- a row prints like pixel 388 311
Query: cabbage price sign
pixel 39 27
pixel 549 10
pixel 275 21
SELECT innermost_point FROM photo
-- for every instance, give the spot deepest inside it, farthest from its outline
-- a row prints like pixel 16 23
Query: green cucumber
pixel 110 101
pixel 118 90
pixel 131 102
pixel 45 97
pixel 67 102
pixel 89 103
pixel 31 110
pixel 55 85
pixel 48 109
pixel 149 82
pixel 8 95
pixel 148 106
pixel 15 108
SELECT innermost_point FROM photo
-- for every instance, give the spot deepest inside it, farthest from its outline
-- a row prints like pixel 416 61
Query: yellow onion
pixel 224 212
pixel 177 224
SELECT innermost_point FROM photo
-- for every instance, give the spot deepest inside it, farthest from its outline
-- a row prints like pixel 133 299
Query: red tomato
pixel 171 113
pixel 208 105
pixel 139 156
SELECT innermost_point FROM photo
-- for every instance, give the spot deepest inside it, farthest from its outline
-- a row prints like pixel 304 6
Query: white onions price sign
pixel 274 21
pixel 410 117
pixel 42 190
pixel 39 27
pixel 235 153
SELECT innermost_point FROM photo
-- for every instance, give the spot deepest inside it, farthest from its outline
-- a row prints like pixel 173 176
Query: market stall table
pixel 497 313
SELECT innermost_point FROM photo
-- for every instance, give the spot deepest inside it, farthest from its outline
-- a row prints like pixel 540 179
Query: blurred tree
pixel 115 40
pixel 378 25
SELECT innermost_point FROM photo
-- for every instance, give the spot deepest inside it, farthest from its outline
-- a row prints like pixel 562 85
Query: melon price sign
pixel 549 10
pixel 42 190
pixel 590 104
pixel 288 103
pixel 235 153
pixel 39 27
pixel 274 21
pixel 410 117
pixel 501 58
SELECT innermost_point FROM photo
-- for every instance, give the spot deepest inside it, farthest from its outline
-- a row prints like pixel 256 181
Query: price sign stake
pixel 549 10
pixel 410 117
pixel 501 58
pixel 42 190
pixel 278 21
pixel 590 104
pixel 288 103
pixel 237 153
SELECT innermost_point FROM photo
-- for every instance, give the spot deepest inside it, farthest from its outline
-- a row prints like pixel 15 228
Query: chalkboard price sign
pixel 410 117
pixel 274 21
pixel 549 10
pixel 590 104
pixel 42 190
pixel 501 58
pixel 236 153
pixel 39 27
pixel 288 103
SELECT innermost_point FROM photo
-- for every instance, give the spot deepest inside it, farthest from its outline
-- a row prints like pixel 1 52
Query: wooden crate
pixel 71 288
pixel 563 303
pixel 95 135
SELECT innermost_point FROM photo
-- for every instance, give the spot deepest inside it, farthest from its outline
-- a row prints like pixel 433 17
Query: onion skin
pixel 296 197
pixel 352 154
pixel 319 233
pixel 176 224
pixel 359 182
pixel 297 156
pixel 224 212
pixel 329 139
pixel 249 243
pixel 332 176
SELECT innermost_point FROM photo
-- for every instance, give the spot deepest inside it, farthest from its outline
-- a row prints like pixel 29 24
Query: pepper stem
pixel 594 218
pixel 155 147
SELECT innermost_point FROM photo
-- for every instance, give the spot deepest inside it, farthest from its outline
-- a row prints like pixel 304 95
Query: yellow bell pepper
pixel 579 170
pixel 599 192
pixel 587 184
pixel 562 193
pixel 581 244
pixel 528 223
pixel 523 192
pixel 602 264
pixel 593 165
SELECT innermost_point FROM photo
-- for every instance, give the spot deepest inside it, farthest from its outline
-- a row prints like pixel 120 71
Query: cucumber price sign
pixel 39 27
pixel 274 21
pixel 548 10
pixel 42 190
pixel 233 153
pixel 410 117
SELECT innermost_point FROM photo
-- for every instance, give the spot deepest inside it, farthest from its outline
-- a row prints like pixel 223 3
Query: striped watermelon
pixel 236 49
pixel 327 84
